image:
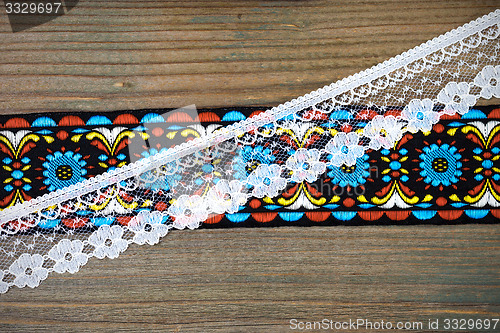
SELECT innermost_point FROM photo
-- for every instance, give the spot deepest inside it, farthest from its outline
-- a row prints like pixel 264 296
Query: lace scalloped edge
pixel 139 234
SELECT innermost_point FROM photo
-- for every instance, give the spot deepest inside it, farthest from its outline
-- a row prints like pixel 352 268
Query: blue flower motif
pixel 63 169
pixel 259 153
pixel 157 183
pixel 440 165
pixel 354 175
pixel 247 154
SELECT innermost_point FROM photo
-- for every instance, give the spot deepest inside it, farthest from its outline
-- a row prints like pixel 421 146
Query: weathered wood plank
pixel 108 55
pixel 259 279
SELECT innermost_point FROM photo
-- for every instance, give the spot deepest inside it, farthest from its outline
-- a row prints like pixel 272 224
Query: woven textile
pixel 455 164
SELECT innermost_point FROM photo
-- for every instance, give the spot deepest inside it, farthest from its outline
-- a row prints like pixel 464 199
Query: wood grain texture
pixel 256 280
pixel 109 55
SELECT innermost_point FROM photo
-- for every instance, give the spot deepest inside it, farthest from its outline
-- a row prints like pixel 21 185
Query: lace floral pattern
pixel 28 270
pixel 489 81
pixel 383 131
pixel 420 115
pixel 266 180
pixel 457 98
pixel 68 256
pixel 258 157
pixel 344 148
pixel 188 211
pixel 148 228
pixel 226 196
pixel 108 242
pixel 305 165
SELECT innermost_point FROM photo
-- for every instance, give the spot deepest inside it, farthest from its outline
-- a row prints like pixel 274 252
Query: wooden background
pixel 109 55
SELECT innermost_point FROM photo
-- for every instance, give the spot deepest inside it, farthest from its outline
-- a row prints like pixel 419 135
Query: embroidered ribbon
pixel 273 155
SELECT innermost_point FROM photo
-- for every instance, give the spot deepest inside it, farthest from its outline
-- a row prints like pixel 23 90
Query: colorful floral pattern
pixel 63 169
pixel 455 172
pixel 440 165
pixel 353 175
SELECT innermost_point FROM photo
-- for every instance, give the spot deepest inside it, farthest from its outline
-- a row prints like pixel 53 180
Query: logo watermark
pixel 330 188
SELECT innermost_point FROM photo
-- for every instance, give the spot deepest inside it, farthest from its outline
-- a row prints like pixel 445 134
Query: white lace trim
pixel 70 255
pixel 71 251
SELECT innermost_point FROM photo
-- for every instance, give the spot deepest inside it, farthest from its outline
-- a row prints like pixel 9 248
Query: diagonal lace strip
pixel 368 77
pixel 183 186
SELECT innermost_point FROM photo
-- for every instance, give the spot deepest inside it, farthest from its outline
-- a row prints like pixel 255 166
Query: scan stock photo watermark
pixel 445 324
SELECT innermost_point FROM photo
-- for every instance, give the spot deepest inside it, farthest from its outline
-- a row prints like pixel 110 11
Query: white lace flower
pixel 4 286
pixel 188 211
pixel 108 241
pixel 344 149
pixel 393 130
pixel 489 80
pixel 266 180
pixel 305 165
pixel 226 196
pixel 68 256
pixel 28 270
pixel 420 115
pixel 456 97
pixel 383 131
pixel 148 228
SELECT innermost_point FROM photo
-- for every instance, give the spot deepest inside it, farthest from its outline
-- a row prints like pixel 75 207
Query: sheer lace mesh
pixel 183 186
